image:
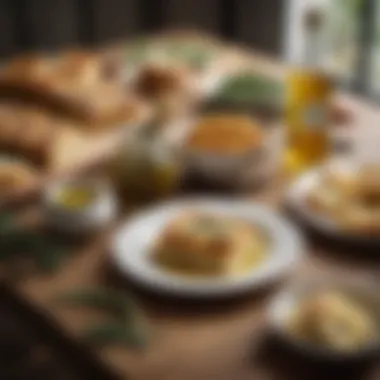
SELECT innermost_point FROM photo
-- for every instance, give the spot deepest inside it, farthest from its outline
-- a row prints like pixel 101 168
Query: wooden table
pixel 212 340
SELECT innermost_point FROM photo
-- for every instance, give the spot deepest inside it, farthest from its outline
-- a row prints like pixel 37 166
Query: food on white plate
pixel 332 320
pixel 199 243
pixel 350 199
pixel 225 134
pixel 166 249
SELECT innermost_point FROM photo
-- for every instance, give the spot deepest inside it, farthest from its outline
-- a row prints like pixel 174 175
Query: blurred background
pixel 272 26
pixel 27 24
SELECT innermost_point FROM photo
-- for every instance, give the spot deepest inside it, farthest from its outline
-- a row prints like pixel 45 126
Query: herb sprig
pixel 18 241
pixel 124 325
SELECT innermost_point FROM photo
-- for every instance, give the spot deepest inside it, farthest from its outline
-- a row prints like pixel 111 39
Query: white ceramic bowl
pixel 247 168
pixel 224 168
pixel 132 246
pixel 283 304
pixel 96 214
pixel 234 169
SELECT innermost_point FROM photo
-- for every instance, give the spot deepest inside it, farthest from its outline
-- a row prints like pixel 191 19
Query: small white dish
pixel 296 201
pixel 100 210
pixel 283 304
pixel 132 249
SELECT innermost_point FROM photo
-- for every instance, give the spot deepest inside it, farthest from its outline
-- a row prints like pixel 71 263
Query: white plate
pixel 284 303
pixel 132 249
pixel 296 200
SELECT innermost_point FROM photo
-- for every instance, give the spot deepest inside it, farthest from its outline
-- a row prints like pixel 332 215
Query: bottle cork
pixel 314 19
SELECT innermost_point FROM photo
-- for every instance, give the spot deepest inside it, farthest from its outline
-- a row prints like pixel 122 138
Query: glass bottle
pixel 146 167
pixel 308 102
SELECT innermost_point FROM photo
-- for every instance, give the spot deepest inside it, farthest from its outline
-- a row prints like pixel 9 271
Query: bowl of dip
pixel 79 205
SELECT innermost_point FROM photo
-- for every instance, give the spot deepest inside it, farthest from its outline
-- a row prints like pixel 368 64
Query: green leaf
pixel 47 252
pixel 107 300
pixel 16 240
pixel 7 222
pixel 5 253
pixel 49 260
pixel 114 333
pixel 119 305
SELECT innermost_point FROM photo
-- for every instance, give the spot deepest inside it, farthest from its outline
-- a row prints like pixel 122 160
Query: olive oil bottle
pixel 308 103
pixel 146 167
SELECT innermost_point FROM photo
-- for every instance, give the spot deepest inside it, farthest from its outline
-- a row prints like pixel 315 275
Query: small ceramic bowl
pixel 284 303
pixel 225 168
pixel 253 166
pixel 97 213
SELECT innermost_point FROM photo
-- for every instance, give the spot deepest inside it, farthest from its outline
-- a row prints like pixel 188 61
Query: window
pixel 352 40
pixel 341 36
pixel 375 68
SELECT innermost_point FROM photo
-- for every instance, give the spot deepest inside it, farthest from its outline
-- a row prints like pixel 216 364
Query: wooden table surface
pixel 213 340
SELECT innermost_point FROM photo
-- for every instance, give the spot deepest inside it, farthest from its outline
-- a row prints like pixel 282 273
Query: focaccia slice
pixel 208 244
